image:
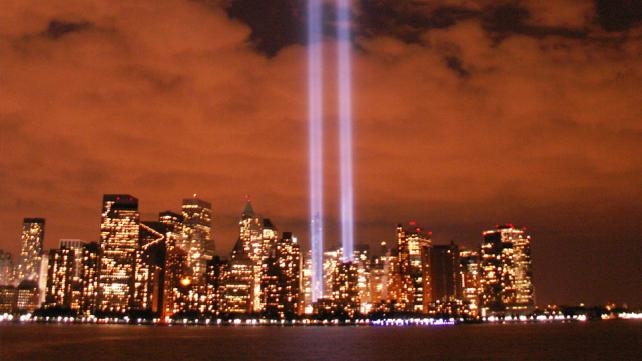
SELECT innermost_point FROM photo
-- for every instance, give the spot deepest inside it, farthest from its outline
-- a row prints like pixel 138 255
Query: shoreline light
pixel 315 119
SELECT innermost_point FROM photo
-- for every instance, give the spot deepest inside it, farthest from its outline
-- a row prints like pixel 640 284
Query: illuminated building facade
pixel 345 290
pixel 281 291
pixel 150 268
pixel 380 276
pixel 60 276
pixel 89 277
pixel 28 296
pixel 238 282
pixel 362 262
pixel 413 247
pixel 470 274
pixel 331 260
pixel 306 284
pixel 214 285
pixel 32 238
pixel 197 243
pixel 175 270
pixel 253 240
pixel 119 232
pixel 506 271
pixel 8 298
pixel 6 268
pixel 76 246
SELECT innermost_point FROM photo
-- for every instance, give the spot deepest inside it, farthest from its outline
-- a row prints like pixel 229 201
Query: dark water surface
pixel 612 340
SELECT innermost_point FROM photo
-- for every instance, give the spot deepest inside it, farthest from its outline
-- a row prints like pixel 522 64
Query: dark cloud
pixel 512 18
pixel 275 24
pixel 619 15
pixel 455 64
pixel 59 28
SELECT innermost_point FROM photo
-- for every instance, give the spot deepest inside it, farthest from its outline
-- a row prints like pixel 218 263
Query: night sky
pixel 467 114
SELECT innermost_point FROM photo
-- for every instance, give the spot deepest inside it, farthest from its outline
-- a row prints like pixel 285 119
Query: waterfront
pixel 606 340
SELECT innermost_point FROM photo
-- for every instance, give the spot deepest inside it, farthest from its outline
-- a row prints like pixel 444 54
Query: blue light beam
pixel 344 73
pixel 315 119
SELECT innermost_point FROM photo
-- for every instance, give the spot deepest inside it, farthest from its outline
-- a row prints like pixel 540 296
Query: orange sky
pixel 467 114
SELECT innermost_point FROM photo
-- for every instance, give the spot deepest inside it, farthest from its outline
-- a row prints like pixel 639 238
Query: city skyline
pixel 464 116
pixel 262 225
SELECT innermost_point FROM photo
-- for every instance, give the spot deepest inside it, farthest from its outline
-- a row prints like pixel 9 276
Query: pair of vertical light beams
pixel 315 118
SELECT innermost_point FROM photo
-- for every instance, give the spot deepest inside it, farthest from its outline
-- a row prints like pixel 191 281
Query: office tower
pixel 259 255
pixel 238 281
pixel 8 298
pixel 444 267
pixel 306 284
pixel 28 296
pixel 175 279
pixel 175 271
pixel 470 274
pixel 150 268
pixel 361 260
pixel 60 275
pixel 380 276
pixel 281 279
pixel 32 238
pixel 76 246
pixel 89 278
pixel 345 292
pixel 6 268
pixel 251 236
pixel 119 231
pixel 413 247
pixel 331 260
pixel 506 271
pixel 214 285
pixel 198 244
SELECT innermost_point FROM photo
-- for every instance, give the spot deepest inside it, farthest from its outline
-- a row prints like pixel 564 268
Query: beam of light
pixel 344 73
pixel 315 119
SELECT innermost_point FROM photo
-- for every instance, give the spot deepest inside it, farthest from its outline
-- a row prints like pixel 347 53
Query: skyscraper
pixel 60 275
pixel 89 277
pixel 76 246
pixel 253 240
pixel 32 238
pixel 470 273
pixel 444 267
pixel 150 268
pixel 198 244
pixel 237 282
pixel 506 271
pixel 345 290
pixel 119 231
pixel 281 291
pixel 413 246
pixel 362 262
pixel 175 269
pixel 6 268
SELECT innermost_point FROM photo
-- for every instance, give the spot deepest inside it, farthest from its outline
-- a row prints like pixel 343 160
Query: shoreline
pixel 386 322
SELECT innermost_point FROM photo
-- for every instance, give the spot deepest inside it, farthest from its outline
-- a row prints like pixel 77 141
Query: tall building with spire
pixel 237 282
pixel 31 250
pixel 197 242
pixel 506 271
pixel 119 232
pixel 253 240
